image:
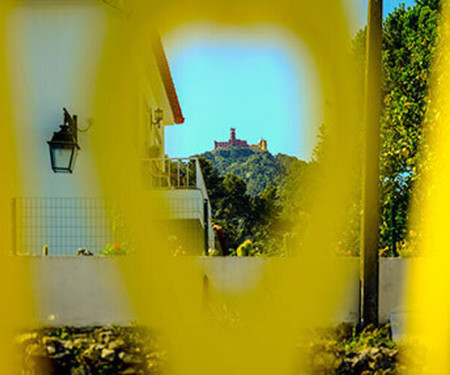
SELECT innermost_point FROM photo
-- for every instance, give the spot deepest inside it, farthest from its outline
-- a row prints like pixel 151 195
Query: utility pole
pixel 369 269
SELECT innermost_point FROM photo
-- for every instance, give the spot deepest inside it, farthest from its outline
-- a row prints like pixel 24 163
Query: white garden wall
pixel 90 291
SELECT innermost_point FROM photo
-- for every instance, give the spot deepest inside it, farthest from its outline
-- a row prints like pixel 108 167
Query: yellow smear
pixel 258 334
pixel 429 325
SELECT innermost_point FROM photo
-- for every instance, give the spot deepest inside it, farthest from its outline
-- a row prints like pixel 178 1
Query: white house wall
pixel 54 54
pixel 184 204
pixel 54 51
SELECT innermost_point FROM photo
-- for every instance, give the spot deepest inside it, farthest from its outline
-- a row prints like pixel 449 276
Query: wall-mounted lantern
pixel 64 145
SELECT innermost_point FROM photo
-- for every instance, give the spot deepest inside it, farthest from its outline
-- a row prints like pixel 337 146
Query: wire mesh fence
pixel 63 225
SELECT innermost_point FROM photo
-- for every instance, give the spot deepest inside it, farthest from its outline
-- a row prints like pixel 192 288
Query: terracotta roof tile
pixel 166 76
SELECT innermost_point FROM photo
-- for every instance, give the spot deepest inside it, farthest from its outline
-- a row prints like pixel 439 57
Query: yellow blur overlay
pixel 208 331
pixel 429 325
pixel 16 310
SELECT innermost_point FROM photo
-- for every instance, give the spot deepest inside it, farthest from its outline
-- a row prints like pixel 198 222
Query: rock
pixel 82 251
pixel 99 347
pixel 51 349
pixel 68 344
pixel 52 341
pixel 130 359
pixel 61 355
pixel 91 354
pixel 79 342
pixel 114 345
pixel 105 337
pixel 108 354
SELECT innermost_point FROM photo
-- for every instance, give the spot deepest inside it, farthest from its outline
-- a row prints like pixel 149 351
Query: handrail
pixel 175 173
pixel 171 173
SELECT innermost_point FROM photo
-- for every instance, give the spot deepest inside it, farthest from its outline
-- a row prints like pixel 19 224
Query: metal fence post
pixel 369 267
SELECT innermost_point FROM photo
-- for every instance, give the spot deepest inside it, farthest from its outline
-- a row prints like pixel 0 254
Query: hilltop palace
pixel 234 142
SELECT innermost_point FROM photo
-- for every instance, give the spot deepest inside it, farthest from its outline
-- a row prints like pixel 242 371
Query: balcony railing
pixel 174 173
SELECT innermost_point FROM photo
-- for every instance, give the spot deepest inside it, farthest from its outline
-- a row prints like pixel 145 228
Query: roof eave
pixel 166 77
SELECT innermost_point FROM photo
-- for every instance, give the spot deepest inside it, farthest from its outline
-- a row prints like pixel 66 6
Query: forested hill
pixel 258 169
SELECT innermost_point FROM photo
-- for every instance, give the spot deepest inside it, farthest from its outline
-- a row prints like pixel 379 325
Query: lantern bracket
pixel 71 122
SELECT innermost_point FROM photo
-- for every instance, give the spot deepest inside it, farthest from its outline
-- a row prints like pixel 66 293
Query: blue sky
pixel 259 85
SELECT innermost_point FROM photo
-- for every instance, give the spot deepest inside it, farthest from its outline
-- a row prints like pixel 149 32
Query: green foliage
pixel 223 159
pixel 259 169
pixel 408 50
pixel 409 44
pixel 244 249
pixel 342 350
pixel 114 249
pixel 265 219
pixel 91 350
pixel 294 190
pixel 262 197
pixel 230 203
pixel 139 350
pixel 213 252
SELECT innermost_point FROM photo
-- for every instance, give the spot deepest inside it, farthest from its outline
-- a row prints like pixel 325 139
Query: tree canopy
pixel 408 51
pixel 259 169
pixel 265 218
pixel 409 45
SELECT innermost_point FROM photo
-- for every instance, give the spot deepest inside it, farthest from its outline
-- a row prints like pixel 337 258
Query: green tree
pixel 244 217
pixel 266 229
pixel 264 207
pixel 409 45
pixel 408 50
pixel 213 181
pixel 259 169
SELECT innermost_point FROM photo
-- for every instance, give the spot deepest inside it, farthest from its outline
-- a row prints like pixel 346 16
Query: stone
pixel 108 354
pixel 51 349
pixel 91 354
pixel 114 345
pixel 82 251
pixel 69 344
pixel 130 359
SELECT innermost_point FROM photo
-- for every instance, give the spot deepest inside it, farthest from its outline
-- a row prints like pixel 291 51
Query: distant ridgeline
pixel 258 169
